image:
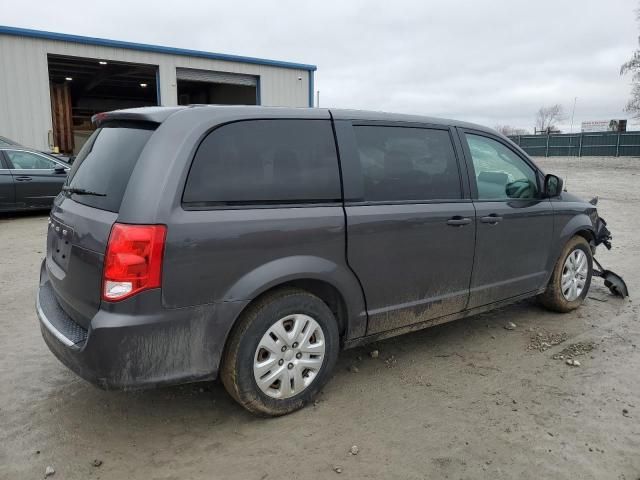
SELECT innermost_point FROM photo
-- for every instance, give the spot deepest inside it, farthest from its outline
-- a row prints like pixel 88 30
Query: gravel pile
pixel 542 341
pixel 575 350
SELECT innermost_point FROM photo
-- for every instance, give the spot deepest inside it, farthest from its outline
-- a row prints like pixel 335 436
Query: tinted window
pixel 105 164
pixel 29 161
pixel 401 163
pixel 265 161
pixel 499 172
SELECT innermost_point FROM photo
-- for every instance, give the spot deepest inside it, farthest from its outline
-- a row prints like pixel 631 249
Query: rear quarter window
pixel 265 162
pixel 106 161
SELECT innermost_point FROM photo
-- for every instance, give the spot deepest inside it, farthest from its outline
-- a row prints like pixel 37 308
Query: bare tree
pixel 548 117
pixel 633 67
pixel 508 130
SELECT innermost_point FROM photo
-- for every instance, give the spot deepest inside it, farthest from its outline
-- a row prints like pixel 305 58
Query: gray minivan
pixel 253 243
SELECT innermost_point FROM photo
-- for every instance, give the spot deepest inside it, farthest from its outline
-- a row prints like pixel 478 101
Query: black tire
pixel 237 364
pixel 553 298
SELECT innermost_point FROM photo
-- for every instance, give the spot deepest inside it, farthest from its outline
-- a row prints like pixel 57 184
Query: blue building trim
pixel 158 99
pixel 311 87
pixel 103 42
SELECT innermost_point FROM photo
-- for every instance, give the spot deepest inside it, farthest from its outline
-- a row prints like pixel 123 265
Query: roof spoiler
pixel 155 115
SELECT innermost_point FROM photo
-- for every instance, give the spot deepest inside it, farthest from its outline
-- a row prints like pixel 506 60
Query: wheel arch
pixel 581 226
pixel 334 284
pixel 586 233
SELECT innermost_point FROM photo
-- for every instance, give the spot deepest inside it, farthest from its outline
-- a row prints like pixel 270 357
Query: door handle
pixel 23 179
pixel 458 221
pixel 491 219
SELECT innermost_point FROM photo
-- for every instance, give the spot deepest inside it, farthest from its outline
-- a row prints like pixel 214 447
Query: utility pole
pixel 573 111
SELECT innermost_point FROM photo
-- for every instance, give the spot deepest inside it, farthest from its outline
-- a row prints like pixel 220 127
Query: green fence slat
pixel 604 144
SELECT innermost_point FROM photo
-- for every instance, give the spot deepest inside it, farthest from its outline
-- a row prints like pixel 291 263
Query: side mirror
pixel 59 169
pixel 552 186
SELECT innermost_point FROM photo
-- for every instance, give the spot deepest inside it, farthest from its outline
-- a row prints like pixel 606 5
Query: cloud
pixel 491 62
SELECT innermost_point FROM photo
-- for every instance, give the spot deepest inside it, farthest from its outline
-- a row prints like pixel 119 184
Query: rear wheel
pixel 281 352
pixel 571 277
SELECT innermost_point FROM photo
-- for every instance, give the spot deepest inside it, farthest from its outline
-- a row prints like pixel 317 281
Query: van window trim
pixel 438 201
pixel 261 204
pixel 192 207
pixel 473 185
pixel 423 126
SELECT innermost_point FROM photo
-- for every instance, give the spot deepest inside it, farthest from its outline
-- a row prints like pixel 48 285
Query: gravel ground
pixel 469 399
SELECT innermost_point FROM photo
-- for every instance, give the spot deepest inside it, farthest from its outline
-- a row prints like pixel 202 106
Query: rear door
pixel 262 198
pixel 38 178
pixel 514 224
pixel 80 224
pixel 410 220
pixel 7 189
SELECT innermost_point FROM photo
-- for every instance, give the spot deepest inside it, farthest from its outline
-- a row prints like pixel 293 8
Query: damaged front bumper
pixel 602 234
pixel 612 281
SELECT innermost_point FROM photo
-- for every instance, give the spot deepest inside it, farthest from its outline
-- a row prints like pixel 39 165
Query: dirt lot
pixel 469 399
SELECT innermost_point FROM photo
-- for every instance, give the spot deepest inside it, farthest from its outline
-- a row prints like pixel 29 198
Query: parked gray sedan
pixel 29 179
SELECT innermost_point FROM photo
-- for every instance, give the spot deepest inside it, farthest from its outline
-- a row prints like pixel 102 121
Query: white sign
pixel 595 126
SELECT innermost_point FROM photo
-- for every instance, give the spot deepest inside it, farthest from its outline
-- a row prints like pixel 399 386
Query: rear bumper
pixel 140 345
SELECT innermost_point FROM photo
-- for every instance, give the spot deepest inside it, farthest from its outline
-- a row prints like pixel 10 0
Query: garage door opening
pixel 205 86
pixel 82 87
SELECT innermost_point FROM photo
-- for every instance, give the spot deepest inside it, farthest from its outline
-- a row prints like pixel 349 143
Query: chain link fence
pixel 604 144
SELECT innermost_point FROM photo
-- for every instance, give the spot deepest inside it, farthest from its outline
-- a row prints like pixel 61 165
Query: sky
pixel 493 62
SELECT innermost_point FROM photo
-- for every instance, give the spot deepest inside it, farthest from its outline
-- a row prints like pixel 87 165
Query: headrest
pixel 499 178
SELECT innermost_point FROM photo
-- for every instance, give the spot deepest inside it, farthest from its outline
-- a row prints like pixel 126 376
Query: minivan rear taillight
pixel 133 261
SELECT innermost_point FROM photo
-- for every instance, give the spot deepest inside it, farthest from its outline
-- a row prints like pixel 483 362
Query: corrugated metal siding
pixel 25 107
pixel 216 77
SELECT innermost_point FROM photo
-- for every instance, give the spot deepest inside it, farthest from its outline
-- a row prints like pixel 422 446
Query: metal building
pixel 51 83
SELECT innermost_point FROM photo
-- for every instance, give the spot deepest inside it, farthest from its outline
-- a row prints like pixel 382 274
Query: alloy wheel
pixel 574 275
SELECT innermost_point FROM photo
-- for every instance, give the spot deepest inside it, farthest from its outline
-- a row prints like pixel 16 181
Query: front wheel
pixel 281 353
pixel 571 277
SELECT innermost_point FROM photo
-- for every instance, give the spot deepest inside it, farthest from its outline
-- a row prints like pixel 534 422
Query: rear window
pixel 265 162
pixel 106 161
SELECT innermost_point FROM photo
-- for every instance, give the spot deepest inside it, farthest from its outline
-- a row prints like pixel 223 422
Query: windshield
pixel 106 161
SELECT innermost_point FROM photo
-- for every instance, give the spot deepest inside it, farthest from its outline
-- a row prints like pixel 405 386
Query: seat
pixel 492 184
pixel 499 178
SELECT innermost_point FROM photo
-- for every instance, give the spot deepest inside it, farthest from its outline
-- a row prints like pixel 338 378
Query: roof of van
pixel 160 114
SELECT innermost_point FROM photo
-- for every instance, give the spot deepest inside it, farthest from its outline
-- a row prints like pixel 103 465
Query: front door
pixel 514 224
pixel 410 227
pixel 38 179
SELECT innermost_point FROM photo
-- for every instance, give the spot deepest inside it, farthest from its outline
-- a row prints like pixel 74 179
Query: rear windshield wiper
pixel 82 191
